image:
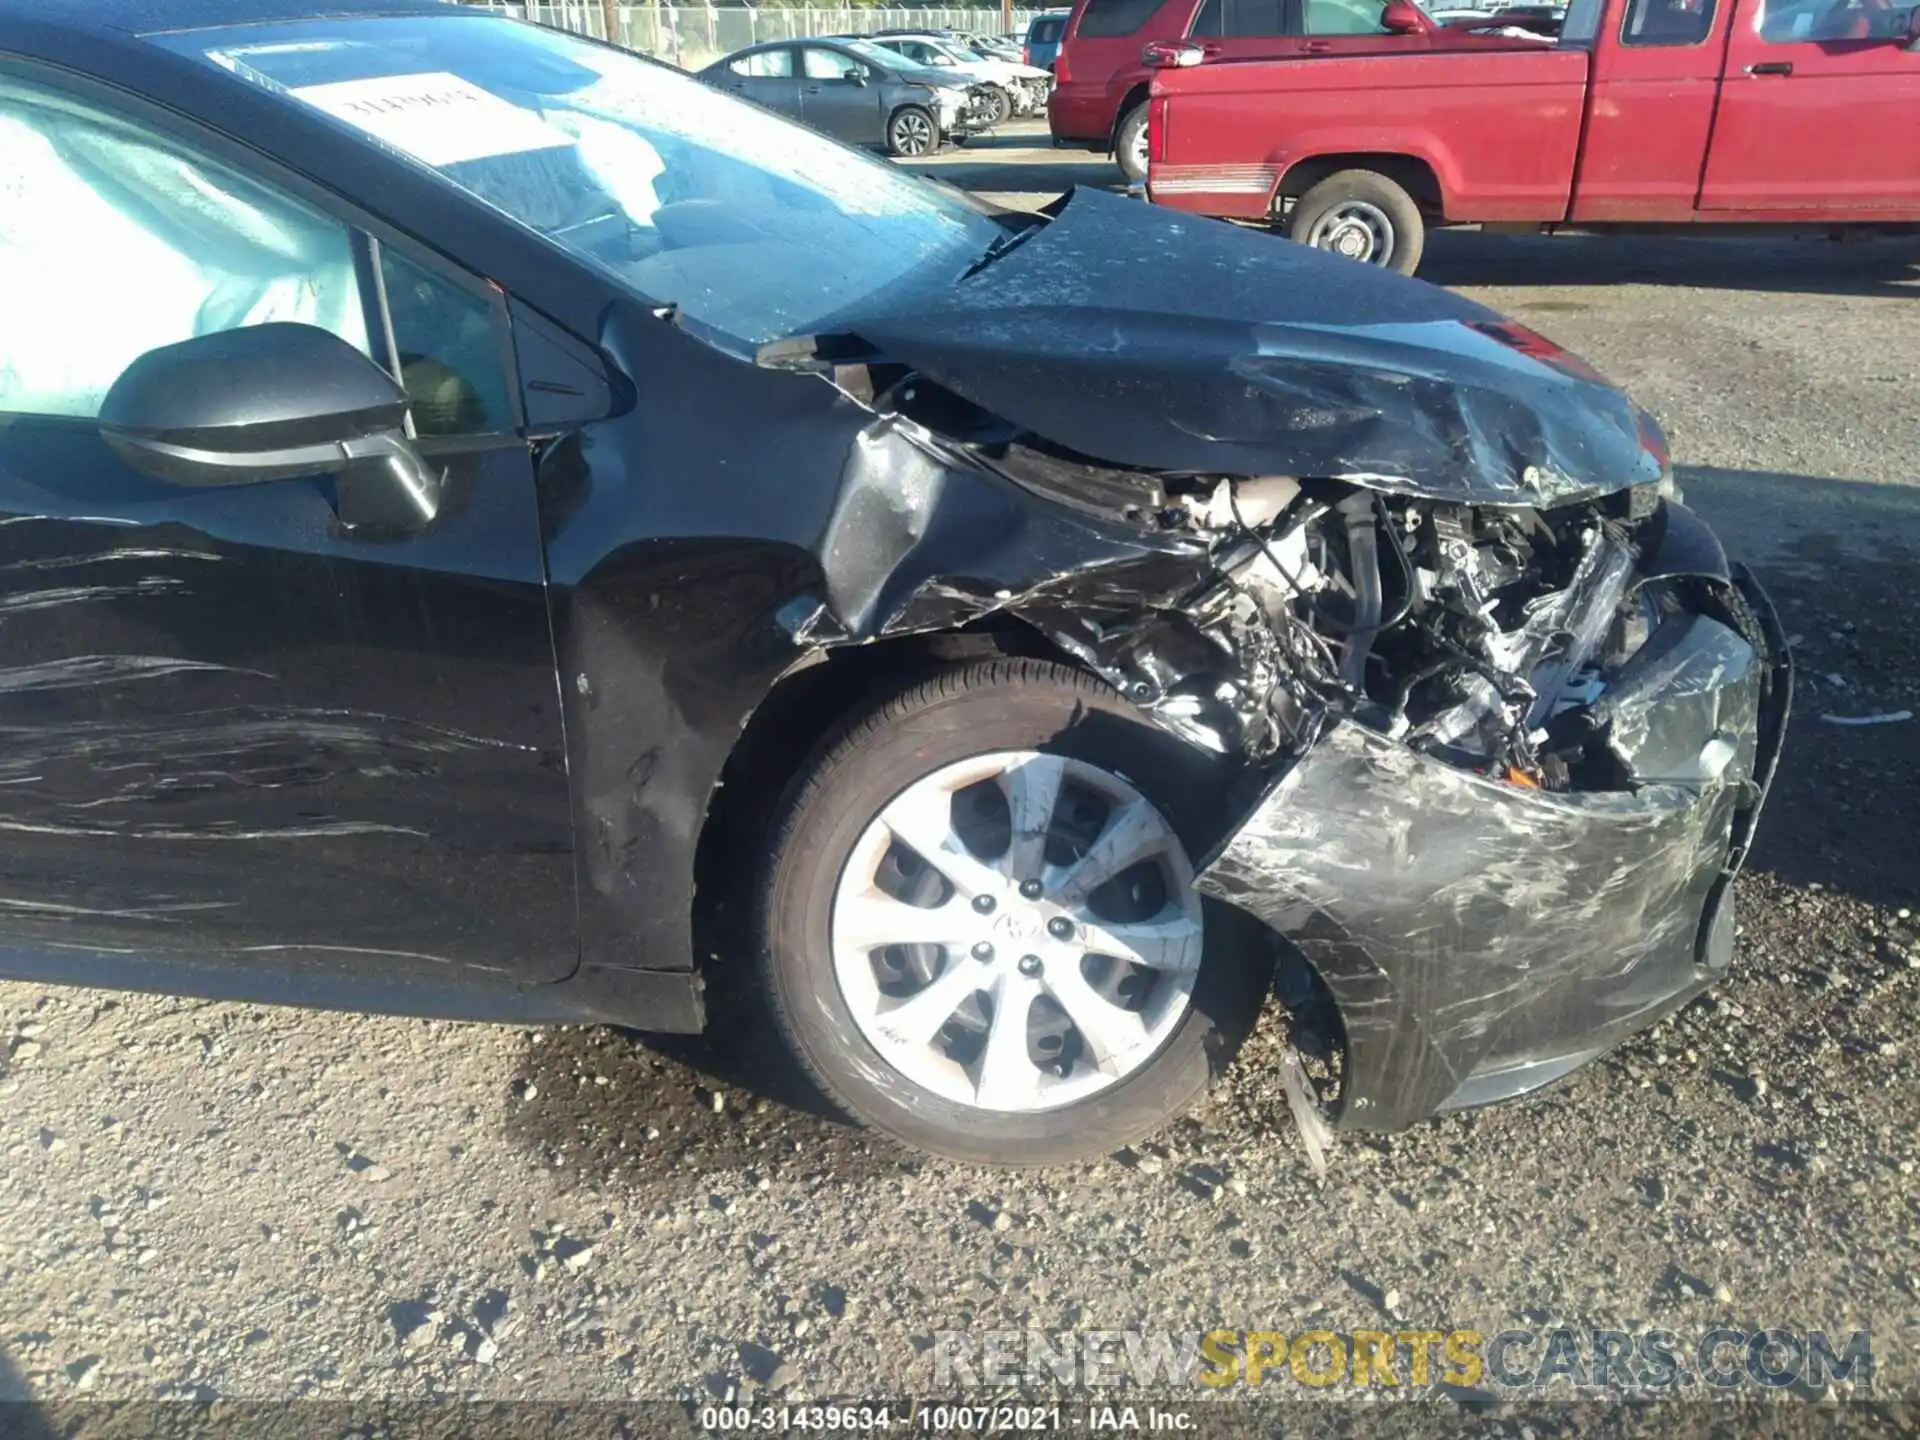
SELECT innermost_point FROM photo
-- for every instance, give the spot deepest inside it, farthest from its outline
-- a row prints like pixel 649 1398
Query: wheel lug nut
pixel 983 951
pixel 1030 965
pixel 983 903
pixel 1030 889
pixel 1060 928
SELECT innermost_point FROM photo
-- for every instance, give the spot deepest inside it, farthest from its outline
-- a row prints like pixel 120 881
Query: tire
pixel 1364 215
pixel 911 133
pixel 963 718
pixel 1002 106
pixel 1130 144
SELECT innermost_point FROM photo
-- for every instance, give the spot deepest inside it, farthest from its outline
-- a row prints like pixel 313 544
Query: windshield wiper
pixel 998 248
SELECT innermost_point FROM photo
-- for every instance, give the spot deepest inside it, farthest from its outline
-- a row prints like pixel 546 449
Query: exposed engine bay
pixel 1504 759
pixel 1488 637
pixel 1499 714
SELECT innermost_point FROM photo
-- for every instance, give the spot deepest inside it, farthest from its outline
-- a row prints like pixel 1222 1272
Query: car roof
pixel 151 17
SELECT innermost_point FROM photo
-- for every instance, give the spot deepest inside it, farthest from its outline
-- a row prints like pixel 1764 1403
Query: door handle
pixel 1317 47
pixel 813 89
pixel 1771 67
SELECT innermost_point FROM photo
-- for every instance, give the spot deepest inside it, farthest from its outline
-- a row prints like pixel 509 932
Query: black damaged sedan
pixel 487 522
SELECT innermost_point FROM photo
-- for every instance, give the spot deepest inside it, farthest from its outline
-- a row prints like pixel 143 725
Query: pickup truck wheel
pixel 1130 144
pixel 1364 216
pixel 977 925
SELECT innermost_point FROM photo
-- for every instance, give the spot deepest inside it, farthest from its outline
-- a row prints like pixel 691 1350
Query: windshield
pixel 955 53
pixel 879 54
pixel 754 227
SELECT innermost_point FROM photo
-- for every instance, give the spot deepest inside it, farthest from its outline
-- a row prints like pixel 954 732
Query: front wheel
pixel 911 133
pixel 1130 144
pixel 1364 216
pixel 999 106
pixel 978 924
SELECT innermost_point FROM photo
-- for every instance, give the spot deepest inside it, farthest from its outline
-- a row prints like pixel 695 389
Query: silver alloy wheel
pixel 1034 975
pixel 912 133
pixel 1357 229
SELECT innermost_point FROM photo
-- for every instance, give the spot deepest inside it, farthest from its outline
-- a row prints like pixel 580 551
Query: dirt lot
pixel 216 1200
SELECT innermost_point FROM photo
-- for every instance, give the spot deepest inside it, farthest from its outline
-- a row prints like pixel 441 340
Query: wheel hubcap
pixel 1357 230
pixel 1069 981
pixel 914 136
pixel 1138 150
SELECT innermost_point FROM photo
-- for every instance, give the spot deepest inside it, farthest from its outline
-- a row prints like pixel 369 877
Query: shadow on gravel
pixel 1799 265
pixel 1841 560
pixel 686 1113
pixel 20 1417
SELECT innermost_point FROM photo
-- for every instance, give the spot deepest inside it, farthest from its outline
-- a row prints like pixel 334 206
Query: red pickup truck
pixel 1642 113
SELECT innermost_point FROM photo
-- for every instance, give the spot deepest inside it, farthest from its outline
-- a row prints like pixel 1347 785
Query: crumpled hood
pixel 1161 341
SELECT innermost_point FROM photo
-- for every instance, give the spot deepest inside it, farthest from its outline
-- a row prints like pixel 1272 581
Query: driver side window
pixel 1665 23
pixel 99 218
pixel 765 65
pixel 828 64
pixel 1344 17
pixel 1792 22
pixel 118 240
pixel 1241 19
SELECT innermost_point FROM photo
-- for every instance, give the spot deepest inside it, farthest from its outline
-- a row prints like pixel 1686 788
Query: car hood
pixel 1149 339
pixel 934 76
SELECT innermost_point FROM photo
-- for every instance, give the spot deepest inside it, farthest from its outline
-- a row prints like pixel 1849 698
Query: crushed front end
pixel 1499 763
pixel 1507 838
pixel 1500 713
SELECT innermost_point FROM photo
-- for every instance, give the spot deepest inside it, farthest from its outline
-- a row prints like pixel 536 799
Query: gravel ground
pixel 206 1200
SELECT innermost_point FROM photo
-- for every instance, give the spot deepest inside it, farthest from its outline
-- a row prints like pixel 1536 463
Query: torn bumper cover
pixel 1482 939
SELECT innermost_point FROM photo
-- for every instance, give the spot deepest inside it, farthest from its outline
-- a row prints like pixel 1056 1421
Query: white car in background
pixel 1023 88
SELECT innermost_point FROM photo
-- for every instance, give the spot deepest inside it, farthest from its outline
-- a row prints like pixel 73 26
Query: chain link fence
pixel 693 36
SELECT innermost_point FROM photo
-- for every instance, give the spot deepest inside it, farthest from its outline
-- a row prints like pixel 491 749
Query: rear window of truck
pixel 1103 18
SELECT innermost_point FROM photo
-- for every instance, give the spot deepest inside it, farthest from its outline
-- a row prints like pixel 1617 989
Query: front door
pixel 1282 29
pixel 231 729
pixel 1818 108
pixel 767 78
pixel 835 103
pixel 1656 81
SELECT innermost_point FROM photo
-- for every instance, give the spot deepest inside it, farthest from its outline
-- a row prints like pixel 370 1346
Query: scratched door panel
pixel 229 728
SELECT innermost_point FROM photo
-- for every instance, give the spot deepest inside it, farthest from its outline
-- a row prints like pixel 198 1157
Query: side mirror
pixel 273 402
pixel 856 75
pixel 1913 28
pixel 1403 17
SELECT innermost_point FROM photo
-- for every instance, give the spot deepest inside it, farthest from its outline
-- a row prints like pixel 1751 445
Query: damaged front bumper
pixel 1481 938
pixel 1499 714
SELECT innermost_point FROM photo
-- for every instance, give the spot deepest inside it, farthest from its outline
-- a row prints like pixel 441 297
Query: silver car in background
pixel 856 91
pixel 1021 89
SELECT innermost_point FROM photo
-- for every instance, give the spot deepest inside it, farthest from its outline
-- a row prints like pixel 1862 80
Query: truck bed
pixel 1498 129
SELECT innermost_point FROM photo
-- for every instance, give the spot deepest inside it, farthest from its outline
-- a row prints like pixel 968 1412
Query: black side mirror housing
pixel 274 402
pixel 857 75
